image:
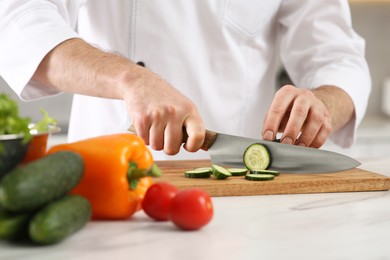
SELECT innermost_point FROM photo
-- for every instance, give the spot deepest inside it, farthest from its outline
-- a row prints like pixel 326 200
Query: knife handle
pixel 209 140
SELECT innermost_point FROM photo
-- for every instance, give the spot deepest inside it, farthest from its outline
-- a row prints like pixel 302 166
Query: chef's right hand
pixel 159 112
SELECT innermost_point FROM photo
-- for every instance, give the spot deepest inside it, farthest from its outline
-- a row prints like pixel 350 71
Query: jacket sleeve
pixel 319 47
pixel 28 31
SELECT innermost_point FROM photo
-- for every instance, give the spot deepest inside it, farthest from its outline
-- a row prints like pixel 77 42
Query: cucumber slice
pixel 274 173
pixel 198 173
pixel 238 171
pixel 220 172
pixel 259 177
pixel 257 157
pixel 204 168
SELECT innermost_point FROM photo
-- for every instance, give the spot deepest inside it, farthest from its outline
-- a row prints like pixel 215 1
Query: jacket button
pixel 141 63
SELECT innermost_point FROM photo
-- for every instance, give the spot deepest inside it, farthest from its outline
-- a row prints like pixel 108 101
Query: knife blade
pixel 228 150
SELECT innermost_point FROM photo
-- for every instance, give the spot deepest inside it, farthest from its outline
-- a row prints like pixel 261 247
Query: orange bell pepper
pixel 105 182
pixel 140 191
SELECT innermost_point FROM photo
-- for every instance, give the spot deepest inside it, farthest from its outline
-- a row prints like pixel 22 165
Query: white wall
pixel 57 106
pixel 372 21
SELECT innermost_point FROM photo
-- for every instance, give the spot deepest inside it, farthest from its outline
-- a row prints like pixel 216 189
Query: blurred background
pixel 370 19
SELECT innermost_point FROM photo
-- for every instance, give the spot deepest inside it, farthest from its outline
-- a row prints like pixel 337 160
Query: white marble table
pixel 309 226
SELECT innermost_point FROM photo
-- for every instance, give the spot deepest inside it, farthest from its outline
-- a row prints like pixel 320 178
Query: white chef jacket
pixel 223 54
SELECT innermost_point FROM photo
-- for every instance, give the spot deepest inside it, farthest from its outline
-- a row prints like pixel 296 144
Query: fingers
pixel 163 130
pixel 317 130
pixel 196 133
pixel 142 129
pixel 298 116
pixel 278 113
pixel 303 119
pixel 159 112
pixel 173 136
pixel 156 136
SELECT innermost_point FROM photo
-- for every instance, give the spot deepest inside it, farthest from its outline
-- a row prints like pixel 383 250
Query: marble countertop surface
pixel 305 226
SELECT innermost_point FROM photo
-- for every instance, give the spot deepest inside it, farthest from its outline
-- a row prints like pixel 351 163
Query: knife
pixel 228 150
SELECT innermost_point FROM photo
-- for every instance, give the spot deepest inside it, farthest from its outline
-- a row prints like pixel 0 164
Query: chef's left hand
pixel 300 115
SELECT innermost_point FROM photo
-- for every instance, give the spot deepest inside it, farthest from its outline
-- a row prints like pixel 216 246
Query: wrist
pixel 338 103
pixel 131 77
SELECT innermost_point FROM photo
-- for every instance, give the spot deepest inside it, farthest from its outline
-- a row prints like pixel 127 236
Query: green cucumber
pixel 204 168
pixel 259 177
pixel 13 225
pixel 31 186
pixel 198 173
pixel 238 171
pixel 257 157
pixel 220 172
pixel 274 173
pixel 60 219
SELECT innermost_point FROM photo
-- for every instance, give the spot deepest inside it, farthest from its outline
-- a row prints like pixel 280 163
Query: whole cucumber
pixel 30 186
pixel 60 219
pixel 13 225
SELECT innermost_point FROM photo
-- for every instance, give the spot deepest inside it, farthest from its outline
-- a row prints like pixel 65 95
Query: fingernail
pixel 287 140
pixel 268 135
pixel 301 144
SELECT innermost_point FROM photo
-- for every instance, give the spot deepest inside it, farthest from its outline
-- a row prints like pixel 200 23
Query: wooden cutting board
pixel 345 181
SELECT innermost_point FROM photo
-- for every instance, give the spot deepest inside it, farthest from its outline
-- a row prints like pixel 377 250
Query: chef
pixel 205 64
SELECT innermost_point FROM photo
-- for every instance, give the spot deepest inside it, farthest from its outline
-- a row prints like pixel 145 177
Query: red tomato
pixel 157 201
pixel 191 209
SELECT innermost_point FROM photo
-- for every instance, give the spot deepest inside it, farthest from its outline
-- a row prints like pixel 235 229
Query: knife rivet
pixel 141 63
